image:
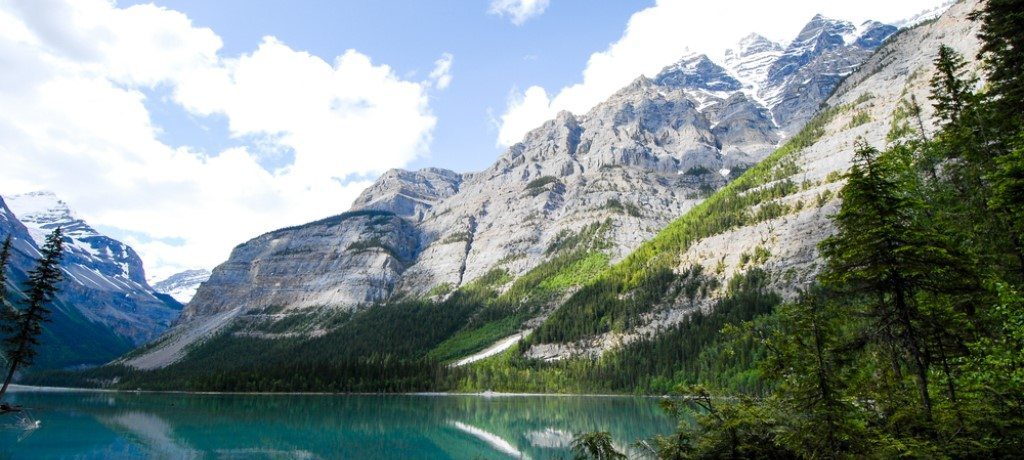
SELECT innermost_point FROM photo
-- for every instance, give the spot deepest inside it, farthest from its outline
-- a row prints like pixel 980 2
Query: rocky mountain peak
pixel 42 211
pixel 871 34
pixel 751 45
pixel 697 72
pixel 103 295
pixel 821 34
pixel 409 194
pixel 183 285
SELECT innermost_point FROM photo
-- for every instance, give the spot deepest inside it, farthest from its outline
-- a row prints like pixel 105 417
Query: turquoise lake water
pixel 93 425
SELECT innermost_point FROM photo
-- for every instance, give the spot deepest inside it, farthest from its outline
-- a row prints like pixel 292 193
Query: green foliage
pixel 697 171
pixel 693 350
pixel 1002 35
pixel 951 91
pixel 471 340
pixel 577 273
pixel 597 445
pixel 372 245
pixel 625 208
pixel 859 118
pixel 589 238
pixel 440 290
pixel 540 185
pixel 914 346
pixel 21 328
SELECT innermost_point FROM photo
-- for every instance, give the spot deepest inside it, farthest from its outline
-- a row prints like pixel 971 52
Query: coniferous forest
pixel 912 343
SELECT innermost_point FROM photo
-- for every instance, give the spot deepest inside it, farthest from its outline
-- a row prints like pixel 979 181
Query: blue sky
pixel 492 56
pixel 186 127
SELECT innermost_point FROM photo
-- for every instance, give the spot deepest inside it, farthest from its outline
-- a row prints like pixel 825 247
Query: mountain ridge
pixel 630 165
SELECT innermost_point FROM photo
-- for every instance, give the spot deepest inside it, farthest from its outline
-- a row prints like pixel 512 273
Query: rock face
pixel 347 260
pixel 104 306
pixel 410 194
pixel 182 286
pixel 635 162
pixel 824 53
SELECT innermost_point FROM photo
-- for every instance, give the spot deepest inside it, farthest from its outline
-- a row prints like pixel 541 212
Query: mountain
pixel 751 59
pixel 577 195
pixel 808 70
pixel 104 307
pixel 183 285
pixel 769 221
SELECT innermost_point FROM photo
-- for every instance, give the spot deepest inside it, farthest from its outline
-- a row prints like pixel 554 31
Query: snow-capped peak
pixel 182 286
pixel 750 45
pixel 42 207
pixel 750 60
pixel 925 15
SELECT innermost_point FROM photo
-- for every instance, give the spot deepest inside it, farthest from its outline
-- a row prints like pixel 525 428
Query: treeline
pixel 913 343
pixel 689 351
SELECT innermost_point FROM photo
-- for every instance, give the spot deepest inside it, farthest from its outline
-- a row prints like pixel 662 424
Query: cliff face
pixel 351 259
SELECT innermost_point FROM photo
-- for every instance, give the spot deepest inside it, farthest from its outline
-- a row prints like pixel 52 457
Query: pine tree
pixel 951 89
pixel 1008 194
pixel 8 315
pixel 20 346
pixel 597 445
pixel 1002 36
pixel 810 357
pixel 884 254
pixel 5 255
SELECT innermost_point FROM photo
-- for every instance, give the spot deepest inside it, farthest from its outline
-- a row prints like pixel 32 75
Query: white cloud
pixel 441 76
pixel 73 119
pixel 518 11
pixel 659 35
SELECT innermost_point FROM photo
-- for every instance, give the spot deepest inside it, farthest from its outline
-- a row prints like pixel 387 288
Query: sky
pixel 186 127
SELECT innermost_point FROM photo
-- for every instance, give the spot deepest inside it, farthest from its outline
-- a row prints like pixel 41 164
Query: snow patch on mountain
pixel 182 286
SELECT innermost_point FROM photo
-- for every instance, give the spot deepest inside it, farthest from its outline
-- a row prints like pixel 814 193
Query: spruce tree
pixel 951 89
pixel 20 345
pixel 8 315
pixel 884 254
pixel 1002 36
pixel 5 255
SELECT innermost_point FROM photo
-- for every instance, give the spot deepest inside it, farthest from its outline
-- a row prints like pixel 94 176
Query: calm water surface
pixel 86 425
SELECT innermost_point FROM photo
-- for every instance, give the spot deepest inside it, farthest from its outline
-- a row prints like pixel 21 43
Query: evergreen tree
pixel 951 89
pixel 5 255
pixel 1008 193
pixel 8 315
pixel 20 345
pixel 1002 36
pixel 811 353
pixel 884 254
pixel 597 446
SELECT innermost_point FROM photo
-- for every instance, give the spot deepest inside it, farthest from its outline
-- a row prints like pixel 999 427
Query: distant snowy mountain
pixel 925 15
pixel 90 258
pixel 809 69
pixel 750 61
pixel 104 306
pixel 182 286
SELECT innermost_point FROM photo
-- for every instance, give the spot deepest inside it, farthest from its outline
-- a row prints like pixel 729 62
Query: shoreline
pixel 16 388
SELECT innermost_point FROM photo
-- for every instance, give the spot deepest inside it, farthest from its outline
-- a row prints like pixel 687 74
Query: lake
pixel 98 425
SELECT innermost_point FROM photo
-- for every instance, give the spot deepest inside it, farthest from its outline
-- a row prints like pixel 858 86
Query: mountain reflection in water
pixel 129 425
